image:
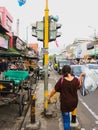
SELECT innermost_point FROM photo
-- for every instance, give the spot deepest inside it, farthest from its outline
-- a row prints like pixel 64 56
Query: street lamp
pixel 94 29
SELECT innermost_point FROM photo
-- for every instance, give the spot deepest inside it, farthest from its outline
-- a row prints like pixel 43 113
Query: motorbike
pixel 42 73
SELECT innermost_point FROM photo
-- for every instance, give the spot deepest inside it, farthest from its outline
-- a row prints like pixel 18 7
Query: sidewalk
pixel 53 122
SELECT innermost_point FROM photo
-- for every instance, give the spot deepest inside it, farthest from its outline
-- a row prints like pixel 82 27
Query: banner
pixel 56 43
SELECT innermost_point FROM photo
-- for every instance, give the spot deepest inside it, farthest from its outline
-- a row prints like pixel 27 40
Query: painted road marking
pixel 93 113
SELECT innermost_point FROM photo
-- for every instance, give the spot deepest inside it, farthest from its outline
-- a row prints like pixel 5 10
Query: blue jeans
pixel 66 120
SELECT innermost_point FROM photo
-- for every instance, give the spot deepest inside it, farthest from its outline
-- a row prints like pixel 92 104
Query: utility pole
pixel 94 29
pixel 46 31
pixel 45 45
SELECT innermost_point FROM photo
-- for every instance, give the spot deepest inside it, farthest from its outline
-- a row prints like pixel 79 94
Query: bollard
pixel 33 97
pixel 34 125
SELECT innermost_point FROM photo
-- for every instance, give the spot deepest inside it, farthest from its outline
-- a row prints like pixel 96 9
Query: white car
pixel 93 67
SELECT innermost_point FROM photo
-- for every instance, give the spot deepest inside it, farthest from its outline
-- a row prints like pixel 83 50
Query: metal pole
pixel 46 29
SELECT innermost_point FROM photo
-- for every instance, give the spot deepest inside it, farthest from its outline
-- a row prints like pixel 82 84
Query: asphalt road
pixel 88 111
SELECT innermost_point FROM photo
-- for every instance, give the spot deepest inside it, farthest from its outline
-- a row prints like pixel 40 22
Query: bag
pixel 83 90
pixel 90 82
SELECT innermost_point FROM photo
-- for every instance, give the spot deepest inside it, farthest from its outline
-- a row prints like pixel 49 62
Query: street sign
pixel 44 50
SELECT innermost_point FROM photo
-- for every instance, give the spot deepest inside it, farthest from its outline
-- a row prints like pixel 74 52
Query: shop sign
pixel 20 45
pixel 3 43
pixel 90 52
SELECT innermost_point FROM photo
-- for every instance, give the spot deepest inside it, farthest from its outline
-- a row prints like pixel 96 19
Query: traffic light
pixel 37 30
pixel 34 33
pixel 53 30
pixel 58 26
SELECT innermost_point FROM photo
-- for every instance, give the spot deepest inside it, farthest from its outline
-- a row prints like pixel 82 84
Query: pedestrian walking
pixel 68 93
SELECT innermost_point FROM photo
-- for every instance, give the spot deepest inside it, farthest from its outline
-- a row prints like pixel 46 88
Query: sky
pixel 78 18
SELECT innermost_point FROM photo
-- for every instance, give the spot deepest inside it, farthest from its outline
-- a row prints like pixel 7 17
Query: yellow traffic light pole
pixel 46 40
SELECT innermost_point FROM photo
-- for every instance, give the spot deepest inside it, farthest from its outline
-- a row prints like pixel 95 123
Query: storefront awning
pixel 2 29
pixel 9 54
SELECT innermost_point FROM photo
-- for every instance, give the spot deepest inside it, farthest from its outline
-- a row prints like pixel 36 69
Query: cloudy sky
pixel 78 18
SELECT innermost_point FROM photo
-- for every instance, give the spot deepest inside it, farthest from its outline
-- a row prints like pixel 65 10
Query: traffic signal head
pixel 58 34
pixel 34 30
pixel 58 25
pixel 40 28
pixel 53 30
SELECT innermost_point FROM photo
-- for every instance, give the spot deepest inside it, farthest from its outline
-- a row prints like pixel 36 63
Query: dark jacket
pixel 3 66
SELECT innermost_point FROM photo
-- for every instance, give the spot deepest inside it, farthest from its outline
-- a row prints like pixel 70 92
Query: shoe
pixel 73 119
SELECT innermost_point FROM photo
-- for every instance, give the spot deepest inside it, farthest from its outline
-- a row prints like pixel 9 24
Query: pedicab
pixel 11 88
pixel 13 83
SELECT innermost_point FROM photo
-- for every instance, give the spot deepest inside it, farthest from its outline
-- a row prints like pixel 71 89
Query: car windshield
pixel 93 66
pixel 40 63
pixel 76 70
pixel 62 63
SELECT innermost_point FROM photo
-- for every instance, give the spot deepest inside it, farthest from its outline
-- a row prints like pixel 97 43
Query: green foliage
pixel 51 57
pixel 12 50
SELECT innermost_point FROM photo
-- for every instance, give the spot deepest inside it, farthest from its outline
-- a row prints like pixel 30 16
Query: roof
pixel 34 46
pixel 10 52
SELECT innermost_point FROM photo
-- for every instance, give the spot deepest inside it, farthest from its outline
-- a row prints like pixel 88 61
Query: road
pixel 88 111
